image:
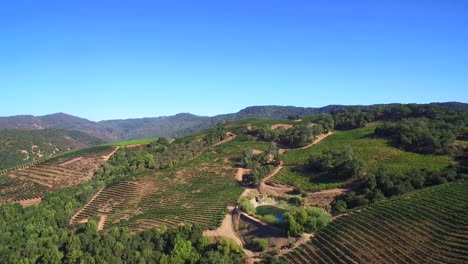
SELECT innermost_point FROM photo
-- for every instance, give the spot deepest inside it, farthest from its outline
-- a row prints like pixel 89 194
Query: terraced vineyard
pixel 62 171
pixel 431 226
pixel 374 151
pixel 195 192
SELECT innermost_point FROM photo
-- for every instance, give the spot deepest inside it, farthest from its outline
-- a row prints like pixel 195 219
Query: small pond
pixel 271 210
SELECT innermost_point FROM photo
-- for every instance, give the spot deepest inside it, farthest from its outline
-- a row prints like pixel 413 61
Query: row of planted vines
pixel 195 191
pixel 51 175
pixel 430 226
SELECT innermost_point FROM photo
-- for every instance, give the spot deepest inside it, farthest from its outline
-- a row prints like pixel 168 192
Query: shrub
pixel 309 219
pixel 229 246
pixel 269 219
pixel 260 244
pixel 339 207
pixel 246 206
pixel 294 199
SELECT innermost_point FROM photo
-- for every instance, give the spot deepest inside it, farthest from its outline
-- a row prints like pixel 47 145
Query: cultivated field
pixel 32 182
pixel 429 226
pixel 196 192
pixel 374 151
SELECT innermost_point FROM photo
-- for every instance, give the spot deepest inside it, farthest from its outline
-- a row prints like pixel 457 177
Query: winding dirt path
pixel 286 126
pixel 226 229
pixel 227 226
pixel 317 140
pixel 274 172
pixel 304 238
pixel 71 161
pixel 89 202
pixel 229 136
pixel 29 202
pixel 107 157
pixel 102 221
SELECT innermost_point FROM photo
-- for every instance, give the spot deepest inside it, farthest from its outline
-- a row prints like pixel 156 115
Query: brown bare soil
pixel 304 238
pixel 256 151
pixel 274 189
pixel 71 161
pixel 229 136
pixel 318 139
pixel 285 126
pixel 274 172
pixel 248 227
pixel 102 221
pixel 31 179
pixel 325 197
pixel 241 172
pixel 72 220
pixel 282 151
pixel 25 153
pixel 226 229
pixel 107 157
pixel 29 202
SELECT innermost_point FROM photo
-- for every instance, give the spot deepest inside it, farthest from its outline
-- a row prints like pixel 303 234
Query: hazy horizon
pixel 220 113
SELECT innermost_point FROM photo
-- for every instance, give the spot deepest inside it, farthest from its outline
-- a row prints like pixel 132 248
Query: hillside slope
pixel 28 184
pixel 23 146
pixel 426 227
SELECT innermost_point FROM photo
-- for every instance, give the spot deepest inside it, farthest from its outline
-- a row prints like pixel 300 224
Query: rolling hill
pixel 24 146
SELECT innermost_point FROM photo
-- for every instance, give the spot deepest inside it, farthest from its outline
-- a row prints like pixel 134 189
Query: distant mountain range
pixel 166 126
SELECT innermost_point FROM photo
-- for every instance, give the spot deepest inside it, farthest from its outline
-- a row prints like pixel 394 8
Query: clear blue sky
pixel 121 59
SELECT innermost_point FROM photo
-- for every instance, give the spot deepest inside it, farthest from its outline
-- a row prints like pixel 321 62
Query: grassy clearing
pixel 131 142
pixel 306 180
pixel 375 152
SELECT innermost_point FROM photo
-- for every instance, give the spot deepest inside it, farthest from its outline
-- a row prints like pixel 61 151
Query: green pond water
pixel 271 210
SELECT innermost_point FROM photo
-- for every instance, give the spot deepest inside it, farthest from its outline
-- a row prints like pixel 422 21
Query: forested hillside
pixel 24 146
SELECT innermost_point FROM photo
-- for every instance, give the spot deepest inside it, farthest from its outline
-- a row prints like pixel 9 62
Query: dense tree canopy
pixel 424 135
pixel 339 164
pixel 308 219
pixel 299 135
pixel 385 183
